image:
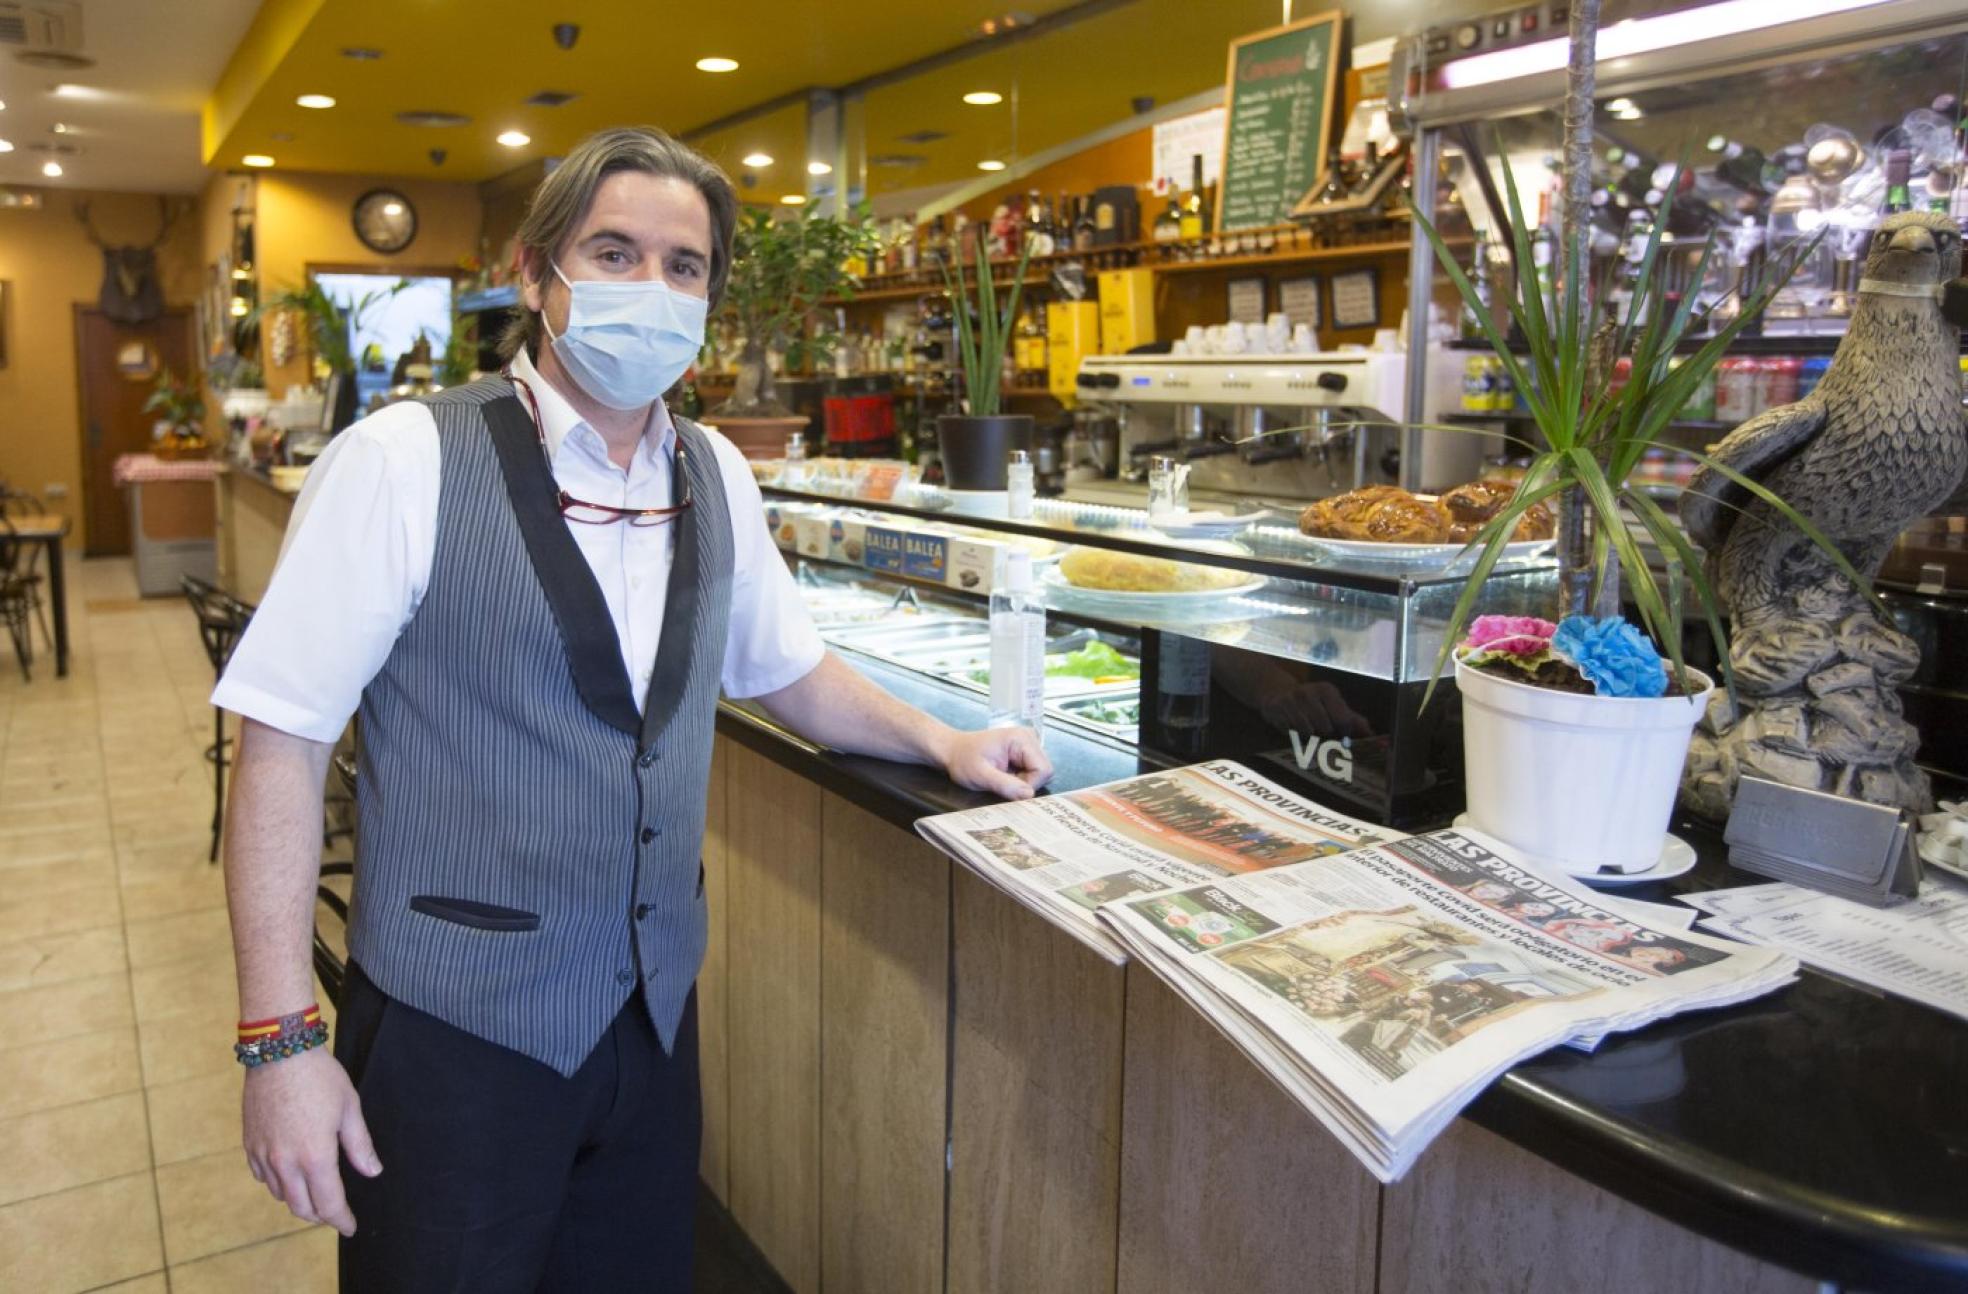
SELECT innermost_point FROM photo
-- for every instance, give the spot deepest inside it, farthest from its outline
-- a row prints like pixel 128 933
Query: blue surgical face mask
pixel 627 342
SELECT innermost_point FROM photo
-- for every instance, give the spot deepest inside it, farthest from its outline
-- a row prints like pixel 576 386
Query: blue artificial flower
pixel 1613 656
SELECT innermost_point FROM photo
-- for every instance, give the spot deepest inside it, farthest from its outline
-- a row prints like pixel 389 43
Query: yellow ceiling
pixel 634 62
pixel 483 58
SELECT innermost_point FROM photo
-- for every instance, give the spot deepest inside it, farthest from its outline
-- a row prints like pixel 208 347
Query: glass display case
pixel 1309 660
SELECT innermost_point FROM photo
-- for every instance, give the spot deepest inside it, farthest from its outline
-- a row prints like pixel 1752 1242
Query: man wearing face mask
pixel 531 589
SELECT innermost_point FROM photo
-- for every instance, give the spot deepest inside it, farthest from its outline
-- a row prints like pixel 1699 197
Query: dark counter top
pixel 1823 1128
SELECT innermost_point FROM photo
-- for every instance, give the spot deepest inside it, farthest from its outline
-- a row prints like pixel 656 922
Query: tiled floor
pixel 120 1166
pixel 119 1101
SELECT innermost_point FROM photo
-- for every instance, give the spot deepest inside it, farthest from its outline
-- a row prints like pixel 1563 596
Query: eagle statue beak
pixel 1913 238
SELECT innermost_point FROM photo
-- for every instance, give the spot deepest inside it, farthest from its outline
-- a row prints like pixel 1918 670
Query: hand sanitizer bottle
pixel 1017 648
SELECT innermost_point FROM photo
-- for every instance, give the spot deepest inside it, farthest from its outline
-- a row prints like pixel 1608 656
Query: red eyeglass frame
pixel 567 502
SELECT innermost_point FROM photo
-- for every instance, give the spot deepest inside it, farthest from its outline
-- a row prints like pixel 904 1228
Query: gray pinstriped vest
pixel 527 843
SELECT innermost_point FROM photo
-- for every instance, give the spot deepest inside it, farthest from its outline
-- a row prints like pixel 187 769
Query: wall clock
pixel 384 220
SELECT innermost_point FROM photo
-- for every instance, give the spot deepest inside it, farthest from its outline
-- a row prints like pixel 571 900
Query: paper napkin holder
pixel 1859 851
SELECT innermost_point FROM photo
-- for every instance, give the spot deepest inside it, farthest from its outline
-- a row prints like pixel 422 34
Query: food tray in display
pixel 1067 596
pixel 1434 556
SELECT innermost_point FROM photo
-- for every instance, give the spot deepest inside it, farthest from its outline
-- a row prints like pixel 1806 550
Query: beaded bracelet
pixel 263 1041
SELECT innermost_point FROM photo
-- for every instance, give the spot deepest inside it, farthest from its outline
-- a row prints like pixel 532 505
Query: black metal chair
pixel 15 596
pixel 222 620
pixel 329 966
pixel 19 503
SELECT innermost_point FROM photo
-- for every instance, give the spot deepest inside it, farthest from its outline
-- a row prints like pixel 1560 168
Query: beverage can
pixel 1622 374
pixel 1735 389
pixel 1476 383
pixel 1701 401
pixel 1503 391
pixel 1811 374
pixel 1776 382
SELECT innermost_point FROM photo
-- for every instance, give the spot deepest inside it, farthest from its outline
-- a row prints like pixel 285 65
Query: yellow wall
pixel 303 220
pixel 49 266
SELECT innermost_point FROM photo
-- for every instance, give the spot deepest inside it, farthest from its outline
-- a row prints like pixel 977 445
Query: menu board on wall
pixel 1279 95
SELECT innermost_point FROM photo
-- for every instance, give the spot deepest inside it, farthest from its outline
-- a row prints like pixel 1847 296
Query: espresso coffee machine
pixel 1285 427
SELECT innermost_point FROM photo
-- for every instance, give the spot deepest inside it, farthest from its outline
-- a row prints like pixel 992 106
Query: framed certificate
pixel 1356 299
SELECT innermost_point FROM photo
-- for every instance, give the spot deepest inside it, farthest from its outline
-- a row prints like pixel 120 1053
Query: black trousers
pixel 500 1175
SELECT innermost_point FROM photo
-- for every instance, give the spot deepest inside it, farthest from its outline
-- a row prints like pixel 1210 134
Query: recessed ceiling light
pixel 6 145
pixel 362 53
pixel 991 165
pixel 59 128
pixel 316 101
pixel 69 91
pixel 515 138
pixel 52 170
pixel 983 98
pixel 3 105
pixel 758 159
pixel 819 168
pixel 257 159
pixel 717 65
pixel 794 199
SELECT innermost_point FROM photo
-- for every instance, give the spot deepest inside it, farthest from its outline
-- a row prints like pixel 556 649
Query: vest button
pixel 624 977
pixel 646 758
pixel 642 911
pixel 648 834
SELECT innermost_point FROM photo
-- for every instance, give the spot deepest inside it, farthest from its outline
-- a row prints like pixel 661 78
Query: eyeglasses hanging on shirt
pixel 603 514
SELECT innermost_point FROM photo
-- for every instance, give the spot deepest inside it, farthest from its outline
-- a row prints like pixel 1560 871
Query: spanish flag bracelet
pixel 264 1041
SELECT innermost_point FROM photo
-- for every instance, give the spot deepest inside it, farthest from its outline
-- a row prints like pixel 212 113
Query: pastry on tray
pixel 1388 514
pixel 1100 568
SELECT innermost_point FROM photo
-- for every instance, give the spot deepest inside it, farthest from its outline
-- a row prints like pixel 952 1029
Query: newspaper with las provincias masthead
pixel 1382 981
pixel 1065 855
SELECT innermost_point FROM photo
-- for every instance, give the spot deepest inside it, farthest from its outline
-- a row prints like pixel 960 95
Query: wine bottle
pixel 1168 224
pixel 1083 227
pixel 1192 225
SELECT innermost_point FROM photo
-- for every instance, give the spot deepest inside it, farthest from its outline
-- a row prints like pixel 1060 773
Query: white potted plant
pixel 1576 728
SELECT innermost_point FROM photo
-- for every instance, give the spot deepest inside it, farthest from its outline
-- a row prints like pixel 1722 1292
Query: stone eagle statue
pixel 1879 443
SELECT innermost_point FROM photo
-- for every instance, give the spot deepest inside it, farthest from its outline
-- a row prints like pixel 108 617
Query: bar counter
pixel 1102 1136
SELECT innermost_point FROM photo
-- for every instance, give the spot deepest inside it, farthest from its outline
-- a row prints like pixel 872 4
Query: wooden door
pixel 116 367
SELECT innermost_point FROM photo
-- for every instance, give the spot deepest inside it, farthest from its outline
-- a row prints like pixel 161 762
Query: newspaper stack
pixel 1381 986
pixel 1065 855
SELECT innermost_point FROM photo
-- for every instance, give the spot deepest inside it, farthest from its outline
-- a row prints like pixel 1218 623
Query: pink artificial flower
pixel 1512 635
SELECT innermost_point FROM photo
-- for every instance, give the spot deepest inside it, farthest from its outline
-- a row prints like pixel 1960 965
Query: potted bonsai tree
pixel 1575 727
pixel 976 443
pixel 179 431
pixel 782 268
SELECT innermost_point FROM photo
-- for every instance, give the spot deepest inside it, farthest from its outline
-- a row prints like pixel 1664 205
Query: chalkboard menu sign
pixel 1280 94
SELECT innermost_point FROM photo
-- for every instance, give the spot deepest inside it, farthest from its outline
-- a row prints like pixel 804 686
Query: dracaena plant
pixel 1594 437
pixel 981 345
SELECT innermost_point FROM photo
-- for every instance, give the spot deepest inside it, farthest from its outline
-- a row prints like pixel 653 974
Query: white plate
pixel 1208 525
pixel 1677 858
pixel 1433 555
pixel 1067 596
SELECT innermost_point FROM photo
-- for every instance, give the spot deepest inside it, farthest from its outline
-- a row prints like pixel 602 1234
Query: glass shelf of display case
pixel 1301 603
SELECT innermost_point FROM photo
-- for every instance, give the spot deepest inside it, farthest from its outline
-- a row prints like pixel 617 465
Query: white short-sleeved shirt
pixel 357 559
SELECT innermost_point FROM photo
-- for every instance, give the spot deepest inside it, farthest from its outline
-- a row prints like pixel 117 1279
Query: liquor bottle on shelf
pixel 1899 165
pixel 1480 284
pixel 1335 187
pixel 1740 165
pixel 1083 226
pixel 1168 223
pixel 1194 224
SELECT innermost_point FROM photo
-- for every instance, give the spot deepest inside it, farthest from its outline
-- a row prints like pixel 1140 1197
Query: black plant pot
pixel 975 449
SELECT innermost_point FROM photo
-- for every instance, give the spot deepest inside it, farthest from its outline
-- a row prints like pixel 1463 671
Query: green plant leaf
pixel 1669 537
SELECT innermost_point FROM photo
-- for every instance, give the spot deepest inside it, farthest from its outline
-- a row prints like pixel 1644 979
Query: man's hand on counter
pixel 1008 762
pixel 835 706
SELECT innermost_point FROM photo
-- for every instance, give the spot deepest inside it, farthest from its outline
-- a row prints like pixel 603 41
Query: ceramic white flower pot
pixel 1573 782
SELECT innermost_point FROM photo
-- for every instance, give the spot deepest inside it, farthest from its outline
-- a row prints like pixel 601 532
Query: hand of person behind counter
pixel 1008 762
pixel 301 1114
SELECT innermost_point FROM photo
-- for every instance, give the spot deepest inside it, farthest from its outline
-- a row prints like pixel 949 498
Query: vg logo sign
pixel 1334 758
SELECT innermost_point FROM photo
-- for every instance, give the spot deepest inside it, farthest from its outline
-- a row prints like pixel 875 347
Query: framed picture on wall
pixel 1356 299
pixel 1299 299
pixel 1247 300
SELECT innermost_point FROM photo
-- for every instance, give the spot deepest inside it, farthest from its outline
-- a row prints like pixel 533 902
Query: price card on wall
pixel 1247 300
pixel 1299 299
pixel 1356 299
pixel 1181 139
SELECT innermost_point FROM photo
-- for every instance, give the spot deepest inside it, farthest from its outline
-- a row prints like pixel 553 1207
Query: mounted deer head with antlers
pixel 131 293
